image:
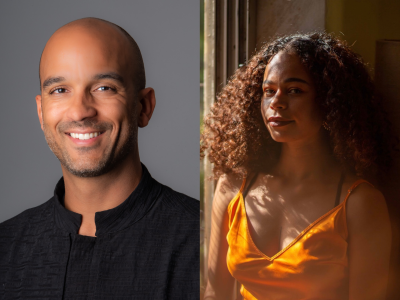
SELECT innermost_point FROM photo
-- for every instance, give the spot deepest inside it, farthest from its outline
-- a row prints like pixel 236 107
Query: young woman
pixel 293 137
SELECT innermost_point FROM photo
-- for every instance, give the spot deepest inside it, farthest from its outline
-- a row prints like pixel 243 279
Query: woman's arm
pixel 369 244
pixel 220 282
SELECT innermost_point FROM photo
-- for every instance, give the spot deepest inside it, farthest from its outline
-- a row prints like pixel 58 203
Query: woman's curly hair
pixel 237 141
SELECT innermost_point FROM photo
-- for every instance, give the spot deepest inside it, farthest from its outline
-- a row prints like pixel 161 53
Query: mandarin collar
pixel 118 218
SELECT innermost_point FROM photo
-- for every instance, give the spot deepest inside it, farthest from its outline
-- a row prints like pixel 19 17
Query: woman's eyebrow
pixel 291 79
pixel 268 82
pixel 295 79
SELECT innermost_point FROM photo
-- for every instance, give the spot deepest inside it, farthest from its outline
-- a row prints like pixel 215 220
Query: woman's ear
pixel 147 104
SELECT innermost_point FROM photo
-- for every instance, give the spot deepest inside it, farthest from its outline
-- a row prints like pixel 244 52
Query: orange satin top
pixel 313 266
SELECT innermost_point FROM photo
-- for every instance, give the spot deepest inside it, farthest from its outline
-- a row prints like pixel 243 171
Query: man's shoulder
pixel 28 217
pixel 175 214
pixel 179 203
pixel 176 229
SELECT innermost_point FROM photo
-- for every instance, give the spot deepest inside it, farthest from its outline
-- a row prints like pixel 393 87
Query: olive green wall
pixel 277 17
pixel 363 22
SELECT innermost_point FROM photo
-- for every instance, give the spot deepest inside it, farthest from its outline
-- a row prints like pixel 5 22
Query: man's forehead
pixel 72 43
pixel 88 37
pixel 91 26
pixel 82 46
pixel 80 37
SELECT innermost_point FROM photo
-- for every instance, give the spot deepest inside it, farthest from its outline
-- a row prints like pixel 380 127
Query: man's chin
pixel 86 170
pixel 86 173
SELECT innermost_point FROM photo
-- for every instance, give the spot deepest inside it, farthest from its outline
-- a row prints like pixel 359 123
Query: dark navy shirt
pixel 145 248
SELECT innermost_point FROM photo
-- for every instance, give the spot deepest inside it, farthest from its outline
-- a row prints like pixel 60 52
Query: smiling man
pixel 110 231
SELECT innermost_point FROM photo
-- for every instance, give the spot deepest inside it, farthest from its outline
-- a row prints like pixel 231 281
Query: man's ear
pixel 39 109
pixel 148 103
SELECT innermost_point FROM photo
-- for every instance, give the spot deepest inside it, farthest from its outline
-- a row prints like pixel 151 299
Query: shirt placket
pixel 81 275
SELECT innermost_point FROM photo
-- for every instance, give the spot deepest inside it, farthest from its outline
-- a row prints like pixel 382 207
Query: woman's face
pixel 288 105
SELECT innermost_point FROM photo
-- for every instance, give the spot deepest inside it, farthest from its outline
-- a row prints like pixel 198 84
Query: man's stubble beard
pixel 112 157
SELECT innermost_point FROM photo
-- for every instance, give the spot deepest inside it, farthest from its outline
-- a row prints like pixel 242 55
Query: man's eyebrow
pixel 291 79
pixel 110 75
pixel 49 81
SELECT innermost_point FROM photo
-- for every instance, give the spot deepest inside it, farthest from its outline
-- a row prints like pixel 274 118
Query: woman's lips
pixel 278 122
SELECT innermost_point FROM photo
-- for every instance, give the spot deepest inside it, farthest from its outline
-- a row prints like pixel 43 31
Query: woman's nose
pixel 278 101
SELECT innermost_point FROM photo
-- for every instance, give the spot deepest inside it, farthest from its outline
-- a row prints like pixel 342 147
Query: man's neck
pixel 86 196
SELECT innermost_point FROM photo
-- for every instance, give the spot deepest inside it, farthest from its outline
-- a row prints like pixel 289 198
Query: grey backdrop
pixel 167 33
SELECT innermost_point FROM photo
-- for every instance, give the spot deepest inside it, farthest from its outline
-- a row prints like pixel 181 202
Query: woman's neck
pixel 303 160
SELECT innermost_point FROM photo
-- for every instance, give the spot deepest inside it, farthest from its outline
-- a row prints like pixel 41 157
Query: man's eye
pixel 58 91
pixel 106 88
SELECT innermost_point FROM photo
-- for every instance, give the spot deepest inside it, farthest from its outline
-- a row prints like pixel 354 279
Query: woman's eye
pixel 269 92
pixel 58 91
pixel 294 91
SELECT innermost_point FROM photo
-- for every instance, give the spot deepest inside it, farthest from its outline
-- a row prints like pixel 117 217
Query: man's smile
pixel 85 136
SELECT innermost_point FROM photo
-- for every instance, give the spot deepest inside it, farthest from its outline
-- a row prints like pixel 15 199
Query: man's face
pixel 88 105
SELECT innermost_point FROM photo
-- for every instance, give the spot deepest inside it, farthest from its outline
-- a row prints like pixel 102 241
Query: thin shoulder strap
pixel 243 185
pixel 250 183
pixel 355 184
pixel 339 189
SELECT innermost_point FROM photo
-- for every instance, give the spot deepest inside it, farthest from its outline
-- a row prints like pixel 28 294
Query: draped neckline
pixel 303 232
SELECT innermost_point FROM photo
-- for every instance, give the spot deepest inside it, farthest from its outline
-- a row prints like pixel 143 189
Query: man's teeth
pixel 85 136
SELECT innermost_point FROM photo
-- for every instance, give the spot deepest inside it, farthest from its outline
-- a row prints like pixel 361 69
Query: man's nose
pixel 81 106
pixel 278 101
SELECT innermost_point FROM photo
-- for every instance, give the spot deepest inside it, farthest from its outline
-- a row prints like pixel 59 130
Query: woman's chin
pixel 288 138
pixel 281 138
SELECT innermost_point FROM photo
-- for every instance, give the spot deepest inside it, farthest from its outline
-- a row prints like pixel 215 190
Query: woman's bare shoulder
pixel 227 188
pixel 366 207
pixel 364 193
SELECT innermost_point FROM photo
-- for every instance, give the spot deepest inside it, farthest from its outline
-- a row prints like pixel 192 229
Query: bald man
pixel 110 231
